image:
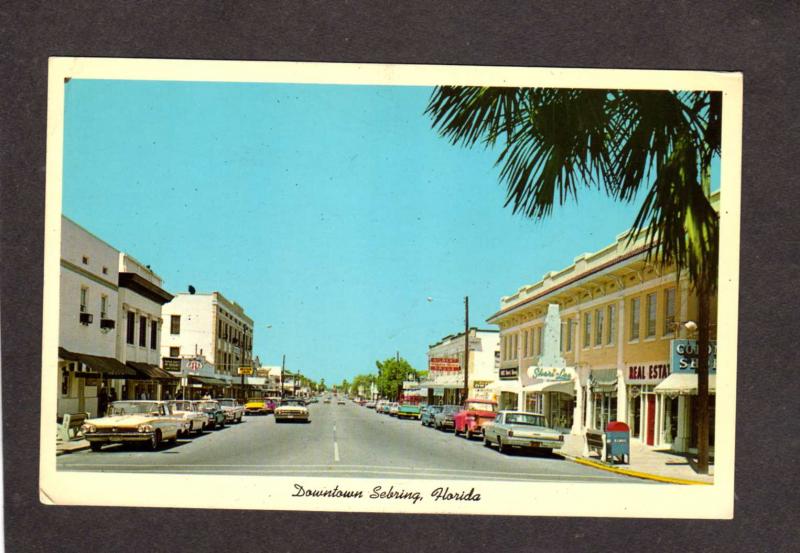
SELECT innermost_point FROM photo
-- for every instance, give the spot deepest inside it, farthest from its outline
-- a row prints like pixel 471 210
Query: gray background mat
pixel 758 38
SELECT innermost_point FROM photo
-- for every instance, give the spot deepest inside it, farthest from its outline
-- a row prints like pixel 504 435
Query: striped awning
pixel 106 366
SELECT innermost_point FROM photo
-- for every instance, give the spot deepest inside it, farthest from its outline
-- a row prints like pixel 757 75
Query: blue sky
pixel 330 213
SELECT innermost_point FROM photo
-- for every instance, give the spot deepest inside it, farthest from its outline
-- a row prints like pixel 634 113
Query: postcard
pixel 390 288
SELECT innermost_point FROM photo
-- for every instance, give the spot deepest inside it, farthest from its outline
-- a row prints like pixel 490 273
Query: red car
pixel 475 413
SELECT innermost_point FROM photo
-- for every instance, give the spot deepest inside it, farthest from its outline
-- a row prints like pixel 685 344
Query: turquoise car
pixel 408 411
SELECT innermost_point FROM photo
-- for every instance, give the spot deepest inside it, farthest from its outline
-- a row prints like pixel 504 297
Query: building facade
pixel 212 327
pixel 618 318
pixel 98 286
pixel 445 381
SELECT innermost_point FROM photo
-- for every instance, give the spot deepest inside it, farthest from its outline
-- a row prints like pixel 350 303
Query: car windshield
pixel 209 405
pixel 480 406
pixel 448 409
pixel 292 402
pixel 133 408
pixel 227 402
pixel 255 400
pixel 182 406
pixel 526 419
pixel 434 408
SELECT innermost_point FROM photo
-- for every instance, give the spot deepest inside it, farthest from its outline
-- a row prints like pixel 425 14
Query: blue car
pixel 428 412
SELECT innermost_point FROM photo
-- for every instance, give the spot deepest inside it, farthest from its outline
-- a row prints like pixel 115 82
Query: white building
pixel 445 382
pixel 95 283
pixel 211 326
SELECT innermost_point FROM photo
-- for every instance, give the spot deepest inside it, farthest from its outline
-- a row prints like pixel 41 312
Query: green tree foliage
pixel 391 374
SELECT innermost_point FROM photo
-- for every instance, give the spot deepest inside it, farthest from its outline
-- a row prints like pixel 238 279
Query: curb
pixel 71 450
pixel 635 474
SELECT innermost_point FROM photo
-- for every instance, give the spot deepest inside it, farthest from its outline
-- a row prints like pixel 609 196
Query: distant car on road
pixel 234 411
pixel 444 419
pixel 292 410
pixel 469 421
pixel 327 400
pixel 370 405
pixel 393 408
pixel 147 422
pixel 521 429
pixel 256 406
pixel 408 411
pixel 340 401
pixel 427 413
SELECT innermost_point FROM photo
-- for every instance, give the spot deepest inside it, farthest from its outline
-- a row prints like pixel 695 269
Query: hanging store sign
pixel 444 364
pixel 480 384
pixel 646 373
pixel 171 364
pixel 262 372
pixel 193 365
pixel 509 373
pixel 685 356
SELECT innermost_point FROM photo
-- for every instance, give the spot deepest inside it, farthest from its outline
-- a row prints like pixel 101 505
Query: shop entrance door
pixel 651 418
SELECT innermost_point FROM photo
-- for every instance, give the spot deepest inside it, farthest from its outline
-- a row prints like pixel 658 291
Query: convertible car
pixel 292 410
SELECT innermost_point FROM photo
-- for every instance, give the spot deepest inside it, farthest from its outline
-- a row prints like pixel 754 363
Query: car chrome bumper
pixel 547 443
pixel 111 437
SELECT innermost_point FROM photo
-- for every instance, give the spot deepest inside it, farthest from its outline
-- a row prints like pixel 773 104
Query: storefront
pixel 507 391
pixel 651 419
pixel 555 399
pixel 602 398
pixel 86 382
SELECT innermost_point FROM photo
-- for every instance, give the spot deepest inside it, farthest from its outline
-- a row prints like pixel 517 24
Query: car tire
pixel 486 441
pixel 96 446
pixel 500 447
pixel 155 440
pixel 467 435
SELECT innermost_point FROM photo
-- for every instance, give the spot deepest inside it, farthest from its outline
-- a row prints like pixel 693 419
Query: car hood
pixel 123 420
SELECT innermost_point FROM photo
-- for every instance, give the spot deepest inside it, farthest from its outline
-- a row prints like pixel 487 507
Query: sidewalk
pixel 76 444
pixel 645 463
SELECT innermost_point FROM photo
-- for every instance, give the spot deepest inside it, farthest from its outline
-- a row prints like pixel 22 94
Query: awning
pixel 106 366
pixel 565 387
pixel 684 384
pixel 512 386
pixel 443 385
pixel 603 380
pixel 207 380
pixel 151 371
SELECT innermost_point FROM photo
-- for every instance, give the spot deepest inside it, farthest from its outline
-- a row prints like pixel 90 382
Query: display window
pixel 605 409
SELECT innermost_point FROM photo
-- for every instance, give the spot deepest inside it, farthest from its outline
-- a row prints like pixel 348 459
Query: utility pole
pixel 466 347
pixel 283 367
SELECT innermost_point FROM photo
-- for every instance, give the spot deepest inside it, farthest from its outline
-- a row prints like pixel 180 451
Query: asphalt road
pixel 341 440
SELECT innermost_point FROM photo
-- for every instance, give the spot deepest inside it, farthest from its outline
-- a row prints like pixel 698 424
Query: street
pixel 341 440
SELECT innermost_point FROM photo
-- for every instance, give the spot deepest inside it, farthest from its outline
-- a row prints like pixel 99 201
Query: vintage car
pixel 520 429
pixel 195 419
pixel 445 419
pixel 427 413
pixel 234 411
pixel 327 400
pixel 257 406
pixel 393 408
pixel 370 405
pixel 341 401
pixel 469 421
pixel 147 422
pixel 212 408
pixel 408 411
pixel 292 410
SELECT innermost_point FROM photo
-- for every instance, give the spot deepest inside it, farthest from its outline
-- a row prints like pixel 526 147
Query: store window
pixel 598 327
pixel 605 409
pixel 669 311
pixel 636 306
pixel 534 403
pixel 651 315
pixel 587 330
pixel 612 324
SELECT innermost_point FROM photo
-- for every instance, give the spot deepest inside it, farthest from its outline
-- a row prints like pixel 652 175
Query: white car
pixel 292 410
pixel 520 429
pixel 145 422
pixel 194 420
pixel 234 411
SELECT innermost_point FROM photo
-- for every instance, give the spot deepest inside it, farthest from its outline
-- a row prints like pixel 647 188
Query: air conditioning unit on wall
pixel 107 324
pixel 86 318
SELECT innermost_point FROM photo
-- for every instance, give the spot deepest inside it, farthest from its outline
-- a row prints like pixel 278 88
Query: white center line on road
pixel 335 446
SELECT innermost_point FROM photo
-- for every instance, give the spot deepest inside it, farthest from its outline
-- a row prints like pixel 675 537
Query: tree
pixel 556 142
pixel 391 374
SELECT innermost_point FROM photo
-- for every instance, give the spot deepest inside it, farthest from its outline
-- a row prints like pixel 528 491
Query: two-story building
pixel 445 381
pixel 618 314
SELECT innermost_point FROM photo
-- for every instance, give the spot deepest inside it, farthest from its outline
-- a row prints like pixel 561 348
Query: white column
pixel 681 442
pixel 577 413
pixel 622 389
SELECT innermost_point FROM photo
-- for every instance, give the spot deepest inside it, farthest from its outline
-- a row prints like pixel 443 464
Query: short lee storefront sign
pixel 510 373
pixel 685 356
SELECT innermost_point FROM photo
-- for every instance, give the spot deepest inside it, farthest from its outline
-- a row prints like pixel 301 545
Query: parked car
pixel 327 400
pixel 147 422
pixel 234 411
pixel 427 413
pixel 393 408
pixel 444 419
pixel 469 421
pixel 216 416
pixel 292 410
pixel 521 429
pixel 370 405
pixel 340 401
pixel 194 419
pixel 408 411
